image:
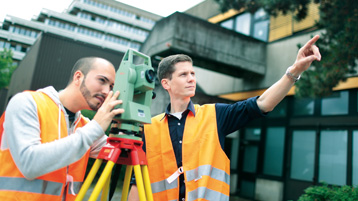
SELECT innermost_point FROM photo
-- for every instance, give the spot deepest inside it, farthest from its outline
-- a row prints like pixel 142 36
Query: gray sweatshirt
pixel 22 137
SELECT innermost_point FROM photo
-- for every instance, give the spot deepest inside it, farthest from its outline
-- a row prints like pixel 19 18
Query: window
pixel 7 45
pixel 253 134
pixel 280 110
pixel 234 154
pixel 261 24
pixel 333 157
pixel 247 188
pixel 89 32
pixel 250 159
pixel 355 158
pixel 134 45
pixel 303 149
pixel 336 104
pixel 229 24
pixel 243 23
pixel 260 30
pixel 303 106
pixel 255 25
pixel 274 151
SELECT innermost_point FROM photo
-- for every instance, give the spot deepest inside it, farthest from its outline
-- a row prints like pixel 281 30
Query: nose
pixel 191 78
pixel 106 89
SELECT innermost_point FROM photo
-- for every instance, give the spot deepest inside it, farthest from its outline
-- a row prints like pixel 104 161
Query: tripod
pixel 120 149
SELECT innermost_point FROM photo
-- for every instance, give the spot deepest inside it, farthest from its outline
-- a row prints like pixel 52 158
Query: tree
pixel 6 67
pixel 338 44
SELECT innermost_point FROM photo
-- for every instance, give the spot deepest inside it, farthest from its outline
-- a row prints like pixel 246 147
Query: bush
pixel 329 193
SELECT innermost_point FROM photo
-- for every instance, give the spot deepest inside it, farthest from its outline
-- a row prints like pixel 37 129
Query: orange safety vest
pixel 206 167
pixel 51 186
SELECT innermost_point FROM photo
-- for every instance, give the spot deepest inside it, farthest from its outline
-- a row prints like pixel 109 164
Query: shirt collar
pixel 190 108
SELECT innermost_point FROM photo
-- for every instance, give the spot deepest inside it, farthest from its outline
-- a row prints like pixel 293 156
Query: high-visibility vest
pixel 206 167
pixel 51 186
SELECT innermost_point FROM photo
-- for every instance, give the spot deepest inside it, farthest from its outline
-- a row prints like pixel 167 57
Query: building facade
pixel 105 23
pixel 303 142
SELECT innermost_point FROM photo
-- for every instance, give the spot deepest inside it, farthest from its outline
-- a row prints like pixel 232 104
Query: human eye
pixel 102 80
pixel 183 74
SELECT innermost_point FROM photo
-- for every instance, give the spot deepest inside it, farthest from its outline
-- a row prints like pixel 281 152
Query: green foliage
pixel 6 67
pixel 327 193
pixel 338 44
pixel 338 47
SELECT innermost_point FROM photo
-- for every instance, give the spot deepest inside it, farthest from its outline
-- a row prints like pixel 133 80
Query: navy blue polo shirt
pixel 229 117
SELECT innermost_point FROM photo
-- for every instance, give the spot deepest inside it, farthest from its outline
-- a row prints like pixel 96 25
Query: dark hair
pixel 84 65
pixel 166 65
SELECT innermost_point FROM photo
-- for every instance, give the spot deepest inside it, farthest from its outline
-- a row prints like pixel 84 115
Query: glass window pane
pixel 355 158
pixel 261 30
pixel 247 189
pixel 304 106
pixel 336 104
pixel 303 149
pixel 243 23
pixel 253 134
pixel 333 157
pixel 229 24
pixel 280 110
pixel 234 155
pixel 250 158
pixel 260 14
pixel 274 151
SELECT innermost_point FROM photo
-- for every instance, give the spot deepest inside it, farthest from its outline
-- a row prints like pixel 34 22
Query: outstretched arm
pixel 274 95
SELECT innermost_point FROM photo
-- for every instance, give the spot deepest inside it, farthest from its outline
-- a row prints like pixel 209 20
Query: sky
pixel 26 9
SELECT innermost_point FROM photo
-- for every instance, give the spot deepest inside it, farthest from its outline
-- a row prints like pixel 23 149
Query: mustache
pixel 100 95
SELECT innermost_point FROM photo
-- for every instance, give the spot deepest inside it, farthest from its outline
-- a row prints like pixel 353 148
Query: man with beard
pixel 46 142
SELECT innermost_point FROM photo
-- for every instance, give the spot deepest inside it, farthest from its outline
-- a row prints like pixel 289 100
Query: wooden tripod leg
pixel 147 186
pixel 139 181
pixel 102 180
pixel 89 179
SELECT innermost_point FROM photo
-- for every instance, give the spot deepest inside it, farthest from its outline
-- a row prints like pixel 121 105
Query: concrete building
pixel 104 23
pixel 107 24
pixel 237 55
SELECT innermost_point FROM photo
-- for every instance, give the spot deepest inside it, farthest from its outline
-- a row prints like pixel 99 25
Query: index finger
pixel 311 42
pixel 115 95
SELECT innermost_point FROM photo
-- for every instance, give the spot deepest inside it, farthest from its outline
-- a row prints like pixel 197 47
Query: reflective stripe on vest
pixel 34 186
pixel 51 185
pixel 163 185
pixel 207 194
pixel 195 174
pixel 205 164
pixel 208 170
pixel 75 186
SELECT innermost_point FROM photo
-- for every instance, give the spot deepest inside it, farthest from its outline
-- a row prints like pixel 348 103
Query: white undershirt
pixel 177 115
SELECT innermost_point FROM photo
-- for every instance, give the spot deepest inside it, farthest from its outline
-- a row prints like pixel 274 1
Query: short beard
pixel 87 95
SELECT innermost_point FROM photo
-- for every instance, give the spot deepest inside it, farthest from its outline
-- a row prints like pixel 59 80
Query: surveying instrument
pixel 135 84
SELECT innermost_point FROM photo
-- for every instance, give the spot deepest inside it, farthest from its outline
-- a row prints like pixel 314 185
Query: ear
pixel 165 84
pixel 78 78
